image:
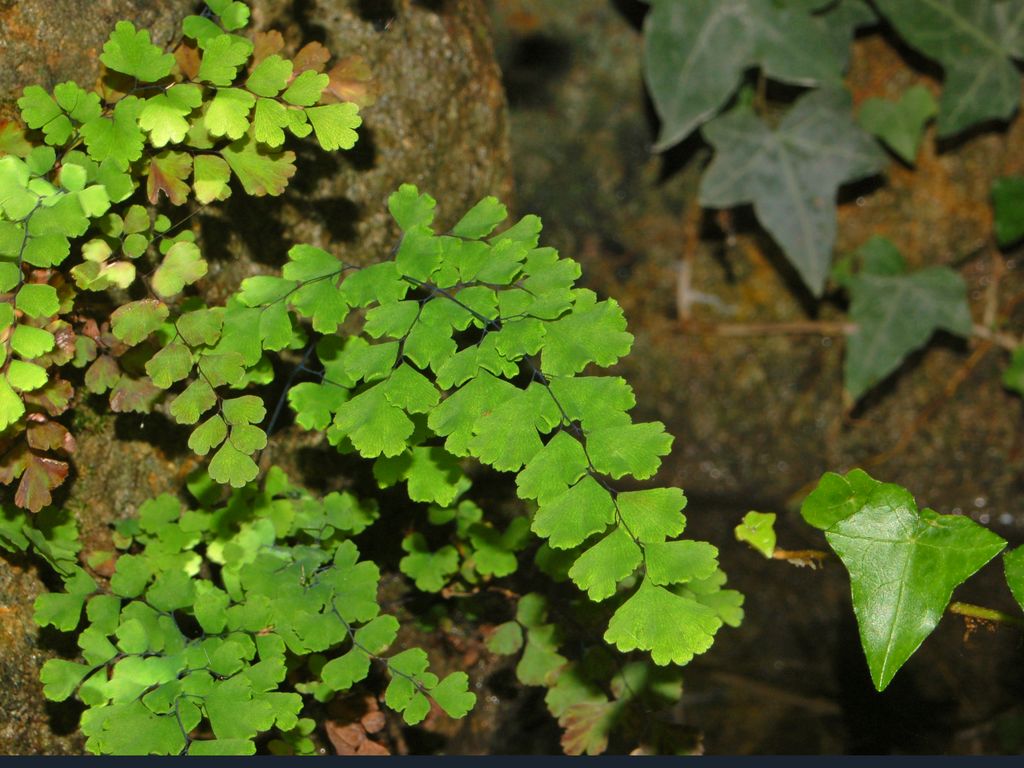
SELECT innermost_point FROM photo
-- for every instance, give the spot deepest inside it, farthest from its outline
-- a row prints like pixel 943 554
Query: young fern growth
pixel 176 661
pixel 184 123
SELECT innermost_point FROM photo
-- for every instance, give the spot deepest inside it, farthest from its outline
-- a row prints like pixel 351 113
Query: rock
pixel 46 42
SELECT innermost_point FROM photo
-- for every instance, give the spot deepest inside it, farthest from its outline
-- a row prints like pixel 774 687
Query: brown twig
pixel 992 291
pixel 981 613
pixel 1004 340
pixel 798 327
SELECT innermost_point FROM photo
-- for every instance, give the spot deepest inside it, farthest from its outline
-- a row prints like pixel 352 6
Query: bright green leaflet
pixel 904 565
pixel 791 174
pixel 758 530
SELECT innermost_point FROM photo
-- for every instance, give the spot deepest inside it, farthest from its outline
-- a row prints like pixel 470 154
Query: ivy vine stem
pixel 971 611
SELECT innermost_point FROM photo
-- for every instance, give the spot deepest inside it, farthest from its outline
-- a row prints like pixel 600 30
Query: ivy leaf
pixel 758 530
pixel 901 124
pixel 430 570
pixel 1008 202
pixel 261 171
pixel 130 52
pixel 695 55
pixel 1013 566
pixel 134 321
pixel 672 627
pixel 837 497
pixel 335 125
pixel 974 42
pixel 222 56
pixel 791 174
pixel 182 265
pixel 896 315
pixel 903 566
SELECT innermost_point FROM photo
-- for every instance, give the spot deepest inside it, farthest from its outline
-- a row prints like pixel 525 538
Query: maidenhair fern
pixel 177 661
pixel 465 345
pixel 167 128
pixel 216 626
